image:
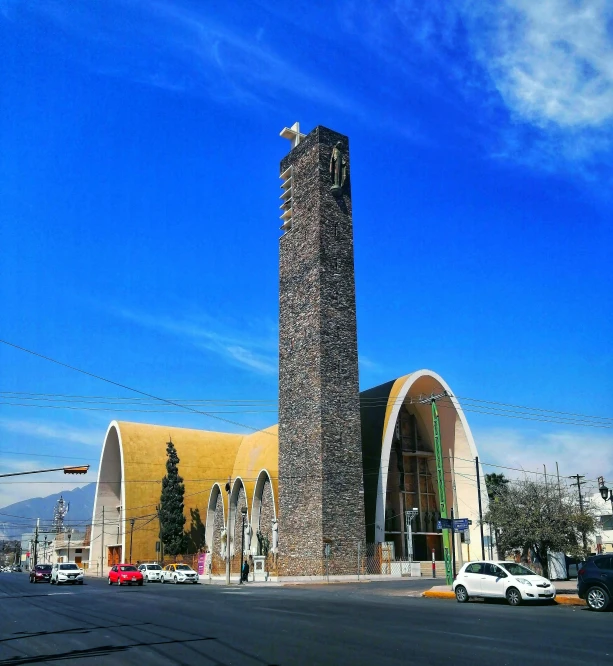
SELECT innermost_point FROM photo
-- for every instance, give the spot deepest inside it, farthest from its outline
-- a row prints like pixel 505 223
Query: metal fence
pixel 358 560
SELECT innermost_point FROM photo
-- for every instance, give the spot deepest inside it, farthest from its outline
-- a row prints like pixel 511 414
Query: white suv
pixel 509 580
pixel 66 572
pixel 151 571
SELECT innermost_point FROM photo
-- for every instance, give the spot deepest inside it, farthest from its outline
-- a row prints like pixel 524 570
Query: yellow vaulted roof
pixel 206 458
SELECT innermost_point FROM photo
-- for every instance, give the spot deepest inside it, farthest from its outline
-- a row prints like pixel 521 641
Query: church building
pixel 348 480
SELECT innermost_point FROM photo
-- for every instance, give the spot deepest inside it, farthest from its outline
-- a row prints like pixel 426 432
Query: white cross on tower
pixel 293 133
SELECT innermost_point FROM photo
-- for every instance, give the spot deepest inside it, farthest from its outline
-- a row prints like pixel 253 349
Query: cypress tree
pixel 172 520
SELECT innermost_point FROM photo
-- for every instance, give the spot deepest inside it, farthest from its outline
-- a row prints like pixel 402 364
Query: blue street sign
pixel 443 524
pixel 461 524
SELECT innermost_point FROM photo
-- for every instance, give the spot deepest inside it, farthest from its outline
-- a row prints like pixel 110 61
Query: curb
pixel 561 599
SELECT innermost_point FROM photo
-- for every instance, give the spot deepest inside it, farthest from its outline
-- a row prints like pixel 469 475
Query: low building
pixel 603 542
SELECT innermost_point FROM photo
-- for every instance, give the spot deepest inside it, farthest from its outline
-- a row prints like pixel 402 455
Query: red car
pixel 125 574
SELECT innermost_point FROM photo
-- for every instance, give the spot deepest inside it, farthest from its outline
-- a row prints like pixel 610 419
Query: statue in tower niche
pixel 338 169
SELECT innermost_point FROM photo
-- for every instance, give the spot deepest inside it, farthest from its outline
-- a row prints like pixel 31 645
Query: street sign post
pixel 444 524
pixel 461 524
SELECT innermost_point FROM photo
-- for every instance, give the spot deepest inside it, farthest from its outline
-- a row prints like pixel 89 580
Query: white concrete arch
pixel 210 515
pixel 110 496
pixel 256 502
pixel 236 488
pixel 463 447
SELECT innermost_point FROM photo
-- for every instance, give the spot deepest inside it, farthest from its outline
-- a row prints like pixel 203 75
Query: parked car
pixel 179 573
pixel 66 572
pixel 16 569
pixel 151 571
pixel 509 580
pixel 595 582
pixel 41 573
pixel 125 574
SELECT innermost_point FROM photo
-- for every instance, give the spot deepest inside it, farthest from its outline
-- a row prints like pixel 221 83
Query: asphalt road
pixel 370 623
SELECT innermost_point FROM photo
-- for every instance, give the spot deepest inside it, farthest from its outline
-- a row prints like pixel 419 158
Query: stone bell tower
pixel 321 500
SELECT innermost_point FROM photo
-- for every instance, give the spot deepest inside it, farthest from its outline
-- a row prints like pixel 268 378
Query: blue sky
pixel 139 151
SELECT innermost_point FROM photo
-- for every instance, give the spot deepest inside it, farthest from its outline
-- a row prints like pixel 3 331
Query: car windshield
pixel 516 569
pixel 69 567
pixel 128 567
pixel 183 567
pixel 43 567
pixel 154 567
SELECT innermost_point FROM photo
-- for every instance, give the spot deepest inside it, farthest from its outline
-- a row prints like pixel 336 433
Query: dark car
pixel 41 573
pixel 595 582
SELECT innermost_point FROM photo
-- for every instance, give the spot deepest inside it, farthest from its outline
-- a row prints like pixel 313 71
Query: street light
pixel 244 512
pixel 131 531
pixel 605 493
pixel 69 538
pixel 228 488
pixel 45 549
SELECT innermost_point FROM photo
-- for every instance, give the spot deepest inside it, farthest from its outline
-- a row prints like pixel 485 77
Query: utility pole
pixel 579 483
pixel 102 546
pixel 480 508
pixel 36 543
pixel 559 487
pixel 131 532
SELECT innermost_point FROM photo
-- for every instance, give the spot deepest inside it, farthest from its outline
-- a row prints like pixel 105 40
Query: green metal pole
pixel 442 495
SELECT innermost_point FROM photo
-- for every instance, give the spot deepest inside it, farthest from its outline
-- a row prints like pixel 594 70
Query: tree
pixel 495 484
pixel 172 520
pixel 536 515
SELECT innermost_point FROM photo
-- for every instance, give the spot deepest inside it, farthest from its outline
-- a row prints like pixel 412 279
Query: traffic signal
pixel 81 469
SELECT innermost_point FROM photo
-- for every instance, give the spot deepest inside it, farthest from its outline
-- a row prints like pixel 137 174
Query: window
pixel 493 570
pixel 475 568
pixel 606 522
pixel 517 569
pixel 604 562
pixel 183 567
pixel 128 568
pixel 153 567
pixel 69 567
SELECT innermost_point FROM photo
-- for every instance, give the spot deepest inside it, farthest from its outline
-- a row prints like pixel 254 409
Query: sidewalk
pixel 564 595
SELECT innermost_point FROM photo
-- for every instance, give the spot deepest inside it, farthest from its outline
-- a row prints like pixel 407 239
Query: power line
pixel 123 386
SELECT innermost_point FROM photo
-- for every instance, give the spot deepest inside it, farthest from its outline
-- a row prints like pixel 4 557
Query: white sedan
pixel 151 571
pixel 509 580
pixel 67 572
pixel 179 573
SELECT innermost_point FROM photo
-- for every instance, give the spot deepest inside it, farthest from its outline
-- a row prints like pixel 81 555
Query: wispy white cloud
pixel 53 430
pixel 236 343
pixel 551 61
pixel 185 46
pixel 547 64
pixel 585 452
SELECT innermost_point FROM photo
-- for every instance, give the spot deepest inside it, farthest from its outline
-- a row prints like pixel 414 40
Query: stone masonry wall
pixel 320 460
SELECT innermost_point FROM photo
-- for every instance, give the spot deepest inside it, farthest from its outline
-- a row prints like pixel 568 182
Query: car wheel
pixel 513 596
pixel 597 599
pixel 176 580
pixel 80 582
pixel 461 594
pixel 110 581
pixel 163 580
pixel 140 582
